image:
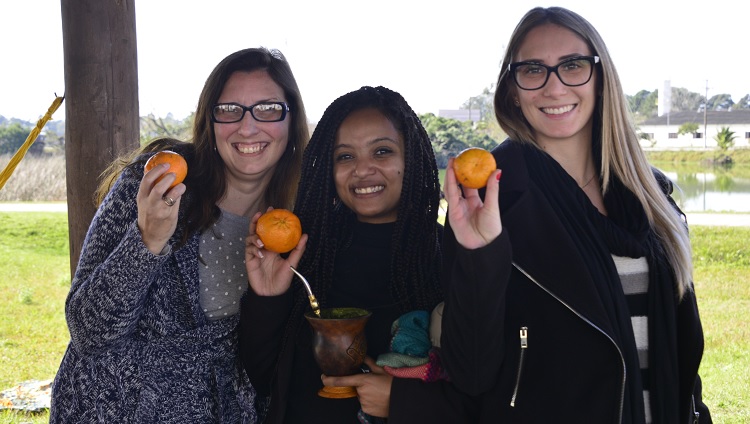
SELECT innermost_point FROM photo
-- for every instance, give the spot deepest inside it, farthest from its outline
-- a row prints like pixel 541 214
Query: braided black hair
pixel 415 253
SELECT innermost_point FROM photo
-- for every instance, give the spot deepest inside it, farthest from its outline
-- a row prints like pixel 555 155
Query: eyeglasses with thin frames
pixel 572 72
pixel 227 113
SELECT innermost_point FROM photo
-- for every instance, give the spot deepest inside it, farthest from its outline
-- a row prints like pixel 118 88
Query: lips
pixel 250 148
pixel 368 190
pixel 557 110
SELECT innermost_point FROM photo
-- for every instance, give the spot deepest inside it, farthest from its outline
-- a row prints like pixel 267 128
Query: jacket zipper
pixel 587 321
pixel 696 414
pixel 524 335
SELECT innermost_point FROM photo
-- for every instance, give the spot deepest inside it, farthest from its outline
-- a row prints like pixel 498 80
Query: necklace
pixel 589 181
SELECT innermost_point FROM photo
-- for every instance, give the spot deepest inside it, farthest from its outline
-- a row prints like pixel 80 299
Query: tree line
pixel 449 136
pixel 644 103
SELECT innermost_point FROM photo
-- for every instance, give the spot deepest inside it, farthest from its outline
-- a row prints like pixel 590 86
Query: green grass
pixel 35 282
pixel 722 283
pixel 739 156
pixel 35 279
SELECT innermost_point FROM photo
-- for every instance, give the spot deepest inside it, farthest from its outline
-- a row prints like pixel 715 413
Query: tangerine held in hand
pixel 279 230
pixel 177 165
pixel 473 166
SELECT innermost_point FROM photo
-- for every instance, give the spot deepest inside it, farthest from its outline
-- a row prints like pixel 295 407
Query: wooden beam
pixel 101 100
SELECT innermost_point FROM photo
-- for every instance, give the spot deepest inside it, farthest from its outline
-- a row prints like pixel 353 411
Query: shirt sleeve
pixel 114 273
pixel 474 282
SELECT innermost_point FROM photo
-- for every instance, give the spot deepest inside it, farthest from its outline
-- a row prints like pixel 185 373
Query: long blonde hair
pixel 621 153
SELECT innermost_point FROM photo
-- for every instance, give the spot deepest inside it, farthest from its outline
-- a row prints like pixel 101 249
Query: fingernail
pixel 499 174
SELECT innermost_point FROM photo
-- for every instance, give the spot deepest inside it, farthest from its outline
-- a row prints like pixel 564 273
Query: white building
pixel 463 115
pixel 662 131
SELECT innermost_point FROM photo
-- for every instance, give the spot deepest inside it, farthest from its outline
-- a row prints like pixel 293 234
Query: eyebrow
pixel 269 100
pixel 369 143
pixel 561 59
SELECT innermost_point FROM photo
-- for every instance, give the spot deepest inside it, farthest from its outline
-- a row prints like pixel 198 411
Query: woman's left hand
pixel 475 222
pixel 373 388
pixel 269 274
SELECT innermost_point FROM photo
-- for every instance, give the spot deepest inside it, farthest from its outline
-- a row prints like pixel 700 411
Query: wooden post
pixel 101 100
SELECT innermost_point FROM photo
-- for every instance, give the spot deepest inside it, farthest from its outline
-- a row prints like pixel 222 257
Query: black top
pixel 287 375
pixel 527 327
pixel 361 277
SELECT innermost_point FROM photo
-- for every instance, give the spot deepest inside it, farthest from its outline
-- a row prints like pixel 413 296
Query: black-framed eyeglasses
pixel 571 72
pixel 227 113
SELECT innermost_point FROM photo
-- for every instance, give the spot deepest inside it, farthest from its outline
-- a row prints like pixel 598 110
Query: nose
pixel 362 168
pixel 554 84
pixel 248 125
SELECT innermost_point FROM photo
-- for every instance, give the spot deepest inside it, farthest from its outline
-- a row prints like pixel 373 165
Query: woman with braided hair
pixel 368 202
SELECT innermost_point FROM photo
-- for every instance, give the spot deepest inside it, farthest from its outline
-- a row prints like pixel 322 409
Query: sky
pixel 437 54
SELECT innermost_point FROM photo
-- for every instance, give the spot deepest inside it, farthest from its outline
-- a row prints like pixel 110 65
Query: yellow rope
pixel 8 171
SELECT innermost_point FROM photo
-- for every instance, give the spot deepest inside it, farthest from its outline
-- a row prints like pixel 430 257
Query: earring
pixel 516 102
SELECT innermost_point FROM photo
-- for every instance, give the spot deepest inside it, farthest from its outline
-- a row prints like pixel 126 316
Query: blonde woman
pixel 568 287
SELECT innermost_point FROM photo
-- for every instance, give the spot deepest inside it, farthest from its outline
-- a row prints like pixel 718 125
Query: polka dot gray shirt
pixel 222 272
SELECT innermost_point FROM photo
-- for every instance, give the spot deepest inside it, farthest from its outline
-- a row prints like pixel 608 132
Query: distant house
pixel 662 132
pixel 462 115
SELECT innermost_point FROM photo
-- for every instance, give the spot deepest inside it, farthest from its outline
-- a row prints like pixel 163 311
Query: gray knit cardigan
pixel 141 350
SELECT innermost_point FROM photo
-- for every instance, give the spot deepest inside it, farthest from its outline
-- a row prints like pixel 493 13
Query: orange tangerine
pixel 473 167
pixel 177 165
pixel 279 230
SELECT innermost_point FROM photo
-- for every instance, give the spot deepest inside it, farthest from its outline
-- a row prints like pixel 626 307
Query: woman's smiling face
pixel 556 111
pixel 368 166
pixel 250 148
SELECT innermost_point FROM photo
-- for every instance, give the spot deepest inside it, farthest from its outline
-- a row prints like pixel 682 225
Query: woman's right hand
pixel 475 223
pixel 157 220
pixel 268 273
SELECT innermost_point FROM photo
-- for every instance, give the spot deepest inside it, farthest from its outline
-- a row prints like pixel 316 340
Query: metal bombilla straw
pixel 310 295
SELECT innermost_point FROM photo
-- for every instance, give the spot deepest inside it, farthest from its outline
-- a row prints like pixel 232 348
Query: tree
pixel 487 123
pixel 725 139
pixel 643 104
pixel 153 127
pixel 450 136
pixel 483 102
pixel 744 102
pixel 12 137
pixel 688 128
pixel 636 101
pixel 720 102
pixel 684 100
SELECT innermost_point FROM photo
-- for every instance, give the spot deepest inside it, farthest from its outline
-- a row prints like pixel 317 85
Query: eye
pixel 573 65
pixel 532 69
pixel 380 151
pixel 267 107
pixel 342 157
pixel 227 108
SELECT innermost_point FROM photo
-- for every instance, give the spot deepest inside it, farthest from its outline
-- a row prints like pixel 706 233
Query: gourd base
pixel 337 392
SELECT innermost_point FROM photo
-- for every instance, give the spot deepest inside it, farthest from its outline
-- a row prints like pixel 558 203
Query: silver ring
pixel 168 200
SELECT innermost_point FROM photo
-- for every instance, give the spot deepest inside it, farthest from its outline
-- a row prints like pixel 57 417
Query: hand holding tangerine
pixel 473 166
pixel 177 165
pixel 279 229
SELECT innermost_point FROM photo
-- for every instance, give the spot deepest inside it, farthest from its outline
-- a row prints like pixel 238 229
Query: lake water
pixel 715 190
pixel 705 189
